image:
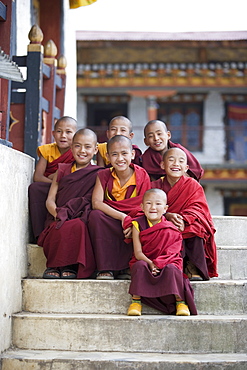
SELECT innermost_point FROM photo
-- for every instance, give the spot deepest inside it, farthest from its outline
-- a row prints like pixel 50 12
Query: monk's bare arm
pixel 139 255
pixel 176 219
pixel 100 160
pixel 40 170
pixel 98 203
pixel 51 198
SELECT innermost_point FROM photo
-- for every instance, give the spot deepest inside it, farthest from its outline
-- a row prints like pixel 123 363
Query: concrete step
pixel 147 333
pixel 63 360
pixel 230 230
pixel 218 297
pixel 231 261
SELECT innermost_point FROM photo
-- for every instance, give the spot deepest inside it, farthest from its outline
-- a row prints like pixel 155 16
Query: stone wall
pixel 16 170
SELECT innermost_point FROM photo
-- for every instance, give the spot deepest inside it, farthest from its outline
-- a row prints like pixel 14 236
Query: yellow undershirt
pixel 119 191
pixel 135 223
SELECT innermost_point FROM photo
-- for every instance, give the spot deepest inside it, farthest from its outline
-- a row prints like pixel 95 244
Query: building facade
pixel 195 82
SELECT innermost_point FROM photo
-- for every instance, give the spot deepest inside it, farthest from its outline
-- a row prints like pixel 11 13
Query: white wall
pixel 214 135
pixel 16 171
pixel 138 116
pixel 23 25
pixel 215 201
pixel 70 54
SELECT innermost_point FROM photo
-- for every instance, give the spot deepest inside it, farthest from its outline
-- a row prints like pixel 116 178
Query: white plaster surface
pixel 138 116
pixel 214 135
pixel 16 171
pixel 215 201
pixel 70 54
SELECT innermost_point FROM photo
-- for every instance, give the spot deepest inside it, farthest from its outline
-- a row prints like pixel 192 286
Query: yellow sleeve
pixel 49 151
pixel 102 151
pixel 136 225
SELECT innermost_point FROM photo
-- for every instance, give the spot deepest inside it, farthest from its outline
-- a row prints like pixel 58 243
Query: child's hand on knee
pixel 154 269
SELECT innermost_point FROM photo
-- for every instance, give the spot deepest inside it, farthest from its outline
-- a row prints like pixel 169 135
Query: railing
pixel 39 100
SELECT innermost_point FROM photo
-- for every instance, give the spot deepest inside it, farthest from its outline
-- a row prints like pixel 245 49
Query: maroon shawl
pixel 151 160
pixel 130 206
pixel 187 198
pixel 167 250
pixel 52 167
pixel 74 193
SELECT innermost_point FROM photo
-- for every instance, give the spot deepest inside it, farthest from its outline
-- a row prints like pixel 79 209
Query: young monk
pixel 118 192
pixel 188 211
pixel 119 125
pixel 157 138
pixel 50 155
pixel 157 266
pixel 65 240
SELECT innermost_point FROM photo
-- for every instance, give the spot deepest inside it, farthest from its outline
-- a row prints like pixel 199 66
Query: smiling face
pixel 120 126
pixel 174 163
pixel 154 205
pixel 156 136
pixel 120 154
pixel 84 147
pixel 63 134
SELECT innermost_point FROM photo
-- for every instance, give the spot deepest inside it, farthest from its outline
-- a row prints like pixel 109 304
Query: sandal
pixel 49 271
pixel 192 272
pixel 66 270
pixel 110 275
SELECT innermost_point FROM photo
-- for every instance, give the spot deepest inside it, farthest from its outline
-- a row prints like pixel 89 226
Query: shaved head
pixel 86 132
pixel 176 151
pixel 66 119
pixel 119 139
pixel 159 192
pixel 152 122
pixel 124 120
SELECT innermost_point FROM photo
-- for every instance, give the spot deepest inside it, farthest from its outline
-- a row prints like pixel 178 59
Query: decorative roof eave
pixel 160 36
pixel 9 69
pixel 225 175
pixel 162 74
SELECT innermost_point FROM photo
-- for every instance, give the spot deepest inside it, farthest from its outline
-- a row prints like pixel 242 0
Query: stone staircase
pixel 82 324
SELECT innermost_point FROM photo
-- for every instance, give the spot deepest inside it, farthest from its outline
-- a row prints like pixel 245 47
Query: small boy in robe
pixel 119 125
pixel 157 266
pixel 188 211
pixel 65 240
pixel 157 138
pixel 50 155
pixel 117 194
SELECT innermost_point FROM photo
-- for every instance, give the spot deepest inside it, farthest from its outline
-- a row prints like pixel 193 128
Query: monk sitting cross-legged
pixel 65 240
pixel 117 194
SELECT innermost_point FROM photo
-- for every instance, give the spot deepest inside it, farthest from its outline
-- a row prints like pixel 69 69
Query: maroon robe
pixel 37 195
pixel 111 251
pixel 159 291
pixel 66 241
pixel 187 198
pixel 151 160
pixel 52 167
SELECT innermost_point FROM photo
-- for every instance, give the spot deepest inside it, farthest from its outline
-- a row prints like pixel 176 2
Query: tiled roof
pixel 9 69
pixel 161 36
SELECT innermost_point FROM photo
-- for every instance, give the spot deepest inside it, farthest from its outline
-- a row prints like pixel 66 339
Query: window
pixel 236 132
pixel 99 115
pixel 184 120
